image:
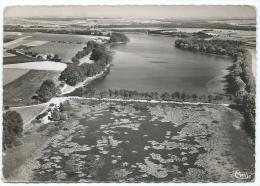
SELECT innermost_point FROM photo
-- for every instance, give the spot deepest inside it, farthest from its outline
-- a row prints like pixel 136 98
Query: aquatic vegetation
pixel 169 143
pixel 118 174
pixel 156 170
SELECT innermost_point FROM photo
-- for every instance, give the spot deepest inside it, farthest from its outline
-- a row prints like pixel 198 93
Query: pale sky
pixel 189 11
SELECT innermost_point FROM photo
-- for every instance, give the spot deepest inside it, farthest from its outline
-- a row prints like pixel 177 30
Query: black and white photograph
pixel 129 94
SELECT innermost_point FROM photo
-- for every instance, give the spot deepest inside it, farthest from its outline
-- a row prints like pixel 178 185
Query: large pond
pixel 152 63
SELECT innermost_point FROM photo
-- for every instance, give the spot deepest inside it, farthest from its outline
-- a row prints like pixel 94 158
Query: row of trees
pixel 241 82
pixel 166 96
pixel 242 85
pixel 12 128
pixel 75 73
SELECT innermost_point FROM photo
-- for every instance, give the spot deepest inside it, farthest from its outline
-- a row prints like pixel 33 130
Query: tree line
pixel 180 34
pixel 241 83
pixel 166 96
pixel 242 86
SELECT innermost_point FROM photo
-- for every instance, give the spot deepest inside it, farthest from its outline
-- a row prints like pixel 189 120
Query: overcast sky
pixel 133 11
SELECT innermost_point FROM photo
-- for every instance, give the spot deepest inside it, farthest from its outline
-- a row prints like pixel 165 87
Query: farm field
pixel 17 42
pixel 60 37
pixel 10 37
pixel 136 142
pixel 9 75
pixel 42 65
pixel 20 91
pixel 64 50
pixel 65 45
pixel 18 58
pixel 7 54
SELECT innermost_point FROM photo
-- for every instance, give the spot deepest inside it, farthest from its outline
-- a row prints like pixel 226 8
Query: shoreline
pixel 86 82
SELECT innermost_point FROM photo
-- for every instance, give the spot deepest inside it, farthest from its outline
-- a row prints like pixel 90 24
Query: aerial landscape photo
pixel 129 93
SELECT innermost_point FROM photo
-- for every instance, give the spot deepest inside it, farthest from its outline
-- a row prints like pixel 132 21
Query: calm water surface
pixel 152 63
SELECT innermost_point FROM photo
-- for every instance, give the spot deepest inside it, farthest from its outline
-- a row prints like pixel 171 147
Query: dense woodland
pixel 241 83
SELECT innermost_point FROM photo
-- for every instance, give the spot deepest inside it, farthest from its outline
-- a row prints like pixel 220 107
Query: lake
pixel 152 63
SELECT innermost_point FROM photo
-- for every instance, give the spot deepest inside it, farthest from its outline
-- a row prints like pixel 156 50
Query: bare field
pixel 138 142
